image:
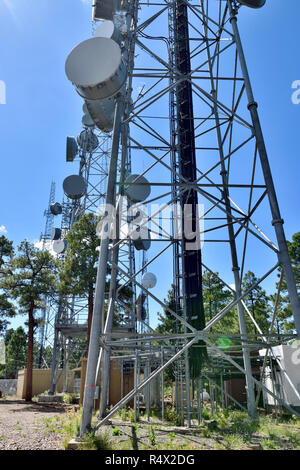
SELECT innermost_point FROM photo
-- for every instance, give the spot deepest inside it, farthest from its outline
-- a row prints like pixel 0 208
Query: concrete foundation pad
pixel 50 399
pixel 75 444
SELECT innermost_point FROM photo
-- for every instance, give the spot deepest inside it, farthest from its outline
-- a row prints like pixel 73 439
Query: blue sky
pixel 42 107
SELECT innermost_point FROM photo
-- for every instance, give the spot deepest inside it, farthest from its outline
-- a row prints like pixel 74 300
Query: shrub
pixel 117 432
pixel 100 441
pixel 233 442
pixel 268 444
pixel 172 416
pixel 70 398
pixel 152 436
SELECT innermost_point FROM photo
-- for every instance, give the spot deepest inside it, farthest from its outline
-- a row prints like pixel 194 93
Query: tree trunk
pixel 90 316
pixel 28 395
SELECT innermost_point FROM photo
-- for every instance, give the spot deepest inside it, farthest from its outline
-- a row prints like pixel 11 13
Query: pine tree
pixel 284 321
pixel 257 303
pixel 78 271
pixel 30 276
pixel 7 309
pixel 215 297
pixel 168 323
pixel 16 350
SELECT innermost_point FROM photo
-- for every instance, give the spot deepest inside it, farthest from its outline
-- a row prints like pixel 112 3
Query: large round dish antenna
pixel 96 68
pixel 149 280
pixel 71 149
pixel 74 186
pixel 87 141
pixel 107 29
pixel 56 208
pixel 59 246
pixel 252 3
pixel 102 113
pixel 137 191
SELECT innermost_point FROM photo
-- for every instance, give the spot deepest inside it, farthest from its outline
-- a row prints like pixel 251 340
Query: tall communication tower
pixel 46 235
pixel 45 238
pixel 184 109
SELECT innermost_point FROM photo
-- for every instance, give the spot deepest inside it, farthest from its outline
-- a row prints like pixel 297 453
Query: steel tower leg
pixel 231 235
pixel 90 382
pixel 104 383
pixel 277 222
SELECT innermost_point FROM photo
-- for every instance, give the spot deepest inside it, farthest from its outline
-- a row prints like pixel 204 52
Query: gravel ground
pixel 22 427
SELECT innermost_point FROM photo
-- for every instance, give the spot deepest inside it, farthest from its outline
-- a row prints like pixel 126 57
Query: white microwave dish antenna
pixel 107 29
pixel 102 113
pixel 137 191
pixel 96 68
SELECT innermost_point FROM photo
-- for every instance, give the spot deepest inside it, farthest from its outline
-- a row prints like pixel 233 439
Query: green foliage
pixel 91 441
pixel 245 426
pixel 152 438
pixel 30 276
pixel 168 325
pixel 127 414
pixel 77 272
pixel 16 350
pixel 70 398
pixel 7 309
pixel 257 302
pixel 233 442
pixel 222 421
pixel 123 414
pixel 172 416
pixel 206 413
pixel 117 432
pixel 293 437
pixel 284 322
pixel 206 432
pixel 268 444
pixel 215 295
pixel 131 415
pixel 6 249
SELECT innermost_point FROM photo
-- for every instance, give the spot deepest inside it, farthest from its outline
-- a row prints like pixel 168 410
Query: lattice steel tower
pixel 194 124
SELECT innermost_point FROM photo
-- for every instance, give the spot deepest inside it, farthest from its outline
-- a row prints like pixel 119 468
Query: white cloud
pixel 3 229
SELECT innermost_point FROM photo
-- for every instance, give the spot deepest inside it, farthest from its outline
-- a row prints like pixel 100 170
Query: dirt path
pixel 22 425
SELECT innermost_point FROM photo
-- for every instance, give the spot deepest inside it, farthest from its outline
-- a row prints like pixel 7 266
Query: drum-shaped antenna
pixel 107 29
pixel 87 121
pixel 87 141
pixel 102 113
pixel 138 191
pixel 105 9
pixel 74 186
pixel 96 68
pixel 252 3
pixel 56 208
pixel 56 233
pixel 71 149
